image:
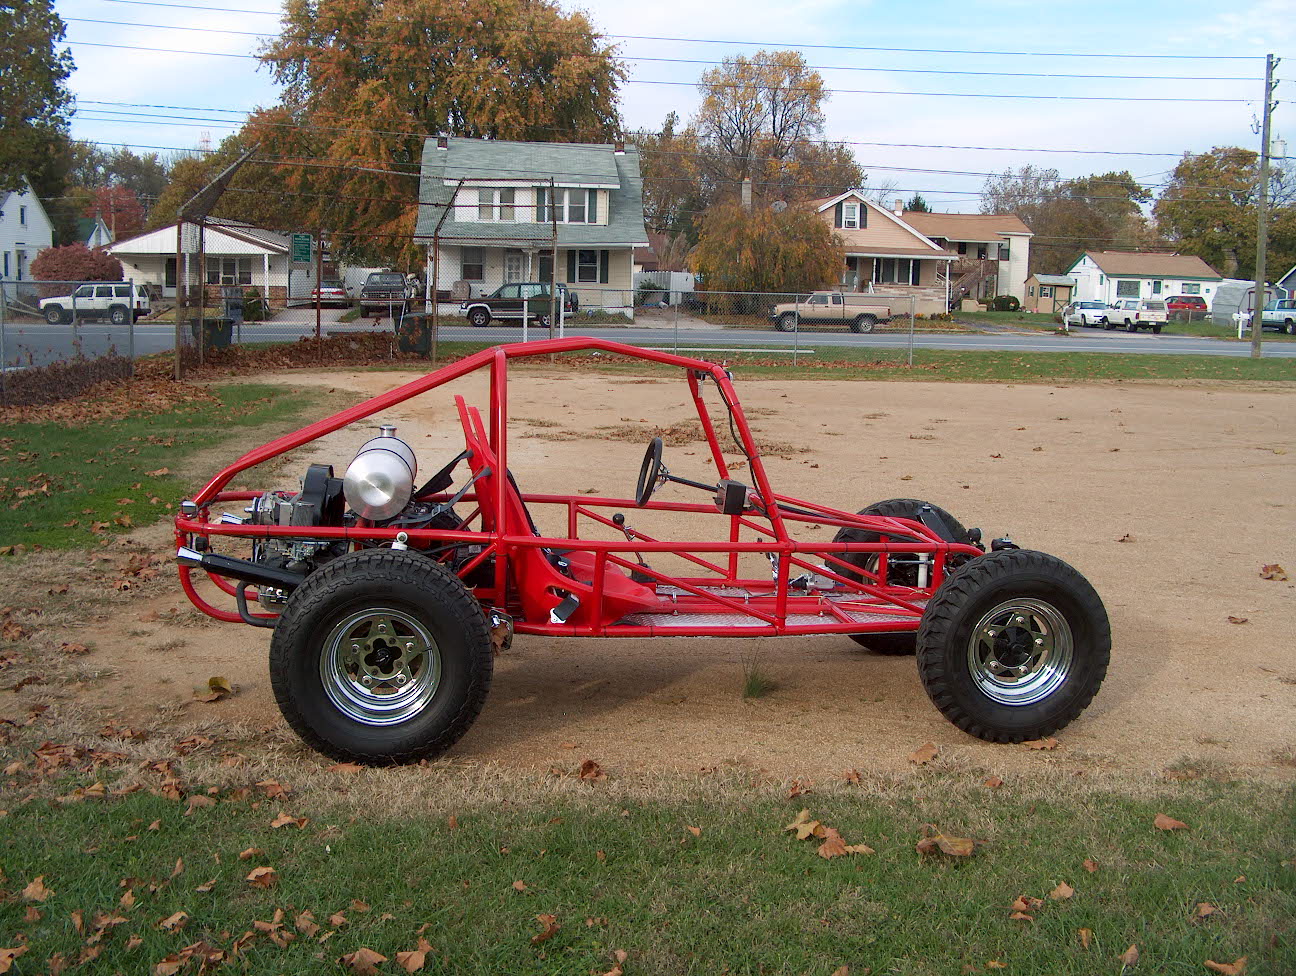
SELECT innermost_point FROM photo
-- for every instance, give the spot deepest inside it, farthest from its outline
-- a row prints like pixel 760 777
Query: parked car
pixel 1185 306
pixel 385 293
pixel 387 606
pixel 1279 314
pixel 331 292
pixel 1135 314
pixel 860 312
pixel 111 301
pixel 505 303
pixel 1085 313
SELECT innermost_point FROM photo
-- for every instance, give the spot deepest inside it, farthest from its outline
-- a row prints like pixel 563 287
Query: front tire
pixel 118 315
pixel 864 323
pixel 1130 326
pixel 1013 646
pixel 899 573
pixel 479 318
pixel 380 658
pixel 54 314
pixel 787 322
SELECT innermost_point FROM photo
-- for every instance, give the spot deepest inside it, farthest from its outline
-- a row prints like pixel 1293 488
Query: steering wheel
pixel 650 473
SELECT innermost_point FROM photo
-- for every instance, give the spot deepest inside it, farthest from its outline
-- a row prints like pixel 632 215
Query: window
pixel 104 291
pixel 22 216
pixel 532 289
pixel 1003 252
pixel 981 252
pixel 836 299
pixel 485 204
pixel 1191 289
pixel 1156 287
pixel 817 299
pixel 895 271
pixel 544 263
pixel 591 206
pixel 1127 289
pixel 471 265
pixel 6 264
pixel 85 291
pixel 587 266
pixel 121 291
pixel 1046 291
pixel 509 291
pixel 513 265
pixel 506 199
pixel 962 247
pixel 229 271
pixel 575 206
pixel 850 215
pixel 496 204
pixel 566 206
pixel 1031 291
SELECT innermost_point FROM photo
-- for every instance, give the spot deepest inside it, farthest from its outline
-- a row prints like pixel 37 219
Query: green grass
pixel 106 474
pixel 741 897
pixel 1033 320
pixel 756 682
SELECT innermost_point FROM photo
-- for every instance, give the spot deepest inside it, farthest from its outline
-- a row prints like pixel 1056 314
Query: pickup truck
pixel 107 300
pixel 385 293
pixel 1135 314
pixel 1279 314
pixel 830 308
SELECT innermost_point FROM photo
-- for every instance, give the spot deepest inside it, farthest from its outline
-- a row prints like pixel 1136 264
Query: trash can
pixel 232 295
pixel 414 333
pixel 217 333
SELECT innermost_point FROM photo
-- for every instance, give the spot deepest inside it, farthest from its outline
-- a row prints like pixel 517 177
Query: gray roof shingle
pixel 581 163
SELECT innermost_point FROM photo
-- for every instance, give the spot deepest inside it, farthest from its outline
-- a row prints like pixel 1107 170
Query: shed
pixel 1048 293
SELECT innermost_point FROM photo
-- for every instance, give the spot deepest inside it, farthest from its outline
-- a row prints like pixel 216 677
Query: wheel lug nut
pixel 382 628
pixel 366 681
pixel 992 633
pixel 409 646
pixel 1020 620
pixel 1039 641
pixel 356 648
pixel 400 679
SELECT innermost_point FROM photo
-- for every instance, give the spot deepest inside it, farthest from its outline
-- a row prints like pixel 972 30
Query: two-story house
pixel 497 212
pixel 1107 276
pixel 993 250
pixel 25 231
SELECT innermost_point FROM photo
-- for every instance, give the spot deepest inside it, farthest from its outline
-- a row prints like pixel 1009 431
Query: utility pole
pixel 1262 215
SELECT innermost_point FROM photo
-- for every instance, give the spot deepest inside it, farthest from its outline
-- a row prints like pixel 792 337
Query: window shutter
pixel 591 207
pixel 603 267
pixel 837 218
pixel 571 265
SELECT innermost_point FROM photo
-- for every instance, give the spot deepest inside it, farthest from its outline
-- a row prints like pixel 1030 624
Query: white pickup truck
pixel 1135 314
pixel 1279 314
pixel 108 300
pixel 831 308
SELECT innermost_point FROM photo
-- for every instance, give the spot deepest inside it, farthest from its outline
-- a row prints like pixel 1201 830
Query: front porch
pixel 926 280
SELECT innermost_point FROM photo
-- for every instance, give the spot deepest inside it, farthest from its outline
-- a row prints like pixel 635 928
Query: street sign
pixel 301 249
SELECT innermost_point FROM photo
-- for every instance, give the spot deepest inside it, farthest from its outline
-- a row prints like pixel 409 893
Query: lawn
pixel 560 877
pixel 67 484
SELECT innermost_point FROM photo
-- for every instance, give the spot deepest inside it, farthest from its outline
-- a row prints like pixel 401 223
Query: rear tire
pixel 1156 330
pixel 1013 646
pixel 1291 327
pixel 381 657
pixel 118 315
pixel 864 323
pixel 1130 326
pixel 787 322
pixel 905 575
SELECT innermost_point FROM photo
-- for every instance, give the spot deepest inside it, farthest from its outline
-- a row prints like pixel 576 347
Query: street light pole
pixel 1262 215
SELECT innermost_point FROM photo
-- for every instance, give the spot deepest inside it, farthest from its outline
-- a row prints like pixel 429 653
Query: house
pixel 236 253
pixel 885 255
pixel 1106 276
pixel 25 231
pixel 1288 283
pixel 993 250
pixel 1048 293
pixel 496 212
pixel 93 232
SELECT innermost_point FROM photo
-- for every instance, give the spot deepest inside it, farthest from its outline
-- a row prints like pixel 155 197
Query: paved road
pixel 40 343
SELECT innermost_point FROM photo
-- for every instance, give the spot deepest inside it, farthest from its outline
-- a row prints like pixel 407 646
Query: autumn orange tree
pixel 364 84
pixel 764 251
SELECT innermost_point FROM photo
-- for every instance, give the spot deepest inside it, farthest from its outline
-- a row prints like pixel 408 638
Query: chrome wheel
pixel 380 666
pixel 1020 652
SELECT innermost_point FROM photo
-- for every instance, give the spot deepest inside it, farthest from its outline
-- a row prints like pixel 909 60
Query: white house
pixel 993 250
pixel 495 212
pixel 25 231
pixel 236 254
pixel 1106 276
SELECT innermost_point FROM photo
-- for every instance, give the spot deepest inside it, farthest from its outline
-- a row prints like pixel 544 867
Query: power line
pixel 831 91
pixel 1088 76
pixel 777 44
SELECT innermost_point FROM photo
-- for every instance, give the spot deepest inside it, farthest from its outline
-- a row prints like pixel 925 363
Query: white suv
pixel 111 300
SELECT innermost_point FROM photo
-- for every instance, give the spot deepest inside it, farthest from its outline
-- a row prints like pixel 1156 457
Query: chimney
pixel 747 194
pixel 443 142
pixel 899 207
pixel 618 147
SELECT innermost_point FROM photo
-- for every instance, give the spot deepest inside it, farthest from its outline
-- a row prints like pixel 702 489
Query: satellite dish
pixel 778 206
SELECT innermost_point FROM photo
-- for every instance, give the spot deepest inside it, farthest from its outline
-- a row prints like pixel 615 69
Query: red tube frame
pixel 768 603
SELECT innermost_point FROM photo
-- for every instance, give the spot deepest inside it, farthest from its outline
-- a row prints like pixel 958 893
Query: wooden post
pixel 202 290
pixel 319 283
pixel 179 333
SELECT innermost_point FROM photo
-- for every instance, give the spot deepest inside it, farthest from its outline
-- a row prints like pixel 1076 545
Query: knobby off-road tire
pixel 1013 646
pixel 901 643
pixel 380 658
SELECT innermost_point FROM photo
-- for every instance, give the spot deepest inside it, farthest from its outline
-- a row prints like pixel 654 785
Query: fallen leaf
pixel 1237 620
pixel 305 924
pixel 1086 936
pixel 127 900
pixel 1062 892
pixel 1021 917
pixel 1204 910
pixel 1090 865
pixel 359 906
pixel 1048 744
pixel 345 767
pixel 695 831
pixel 250 853
pixel 452 822
pixel 953 846
pixel 288 820
pixel 1273 571
pixel 1126 538
pixel 155 825
pixel 337 920
pixel 1162 822
pixel 174 922
pixel 33 914
pixel 835 846
pixel 1025 903
pixel 591 771
pixel 1129 958
pixel 415 959
pixel 36 890
pixel 197 801
pixel 993 783
pixel 995 964
pixel 549 928
pixel 851 775
pixel 924 754
pixel 803 825
pixel 7 957
pixel 1235 968
pixel 363 961
pixel 206 886
pixel 841 971
pixel 519 885
pixel 179 868
pixel 272 789
pixel 263 877
pixel 158 473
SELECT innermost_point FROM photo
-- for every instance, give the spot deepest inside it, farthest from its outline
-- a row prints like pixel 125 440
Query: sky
pixel 1086 123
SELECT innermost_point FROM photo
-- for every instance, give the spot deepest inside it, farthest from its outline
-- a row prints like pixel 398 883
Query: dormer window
pixel 567 205
pixel 496 205
pixel 850 216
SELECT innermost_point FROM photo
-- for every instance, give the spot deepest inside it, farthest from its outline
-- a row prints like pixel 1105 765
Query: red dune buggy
pixel 387 597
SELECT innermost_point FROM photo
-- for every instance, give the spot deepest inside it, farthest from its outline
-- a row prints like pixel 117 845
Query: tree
pixel 365 83
pixel 1208 208
pixel 36 104
pixel 672 191
pixel 76 262
pixel 917 204
pixel 764 251
pixel 119 208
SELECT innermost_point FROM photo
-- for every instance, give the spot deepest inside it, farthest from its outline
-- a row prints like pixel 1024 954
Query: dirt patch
pixel 1168 499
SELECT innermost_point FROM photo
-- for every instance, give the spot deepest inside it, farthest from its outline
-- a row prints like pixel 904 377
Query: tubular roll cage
pixel 860 601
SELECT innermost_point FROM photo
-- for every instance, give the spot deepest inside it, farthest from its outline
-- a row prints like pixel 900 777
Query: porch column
pixel 265 280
